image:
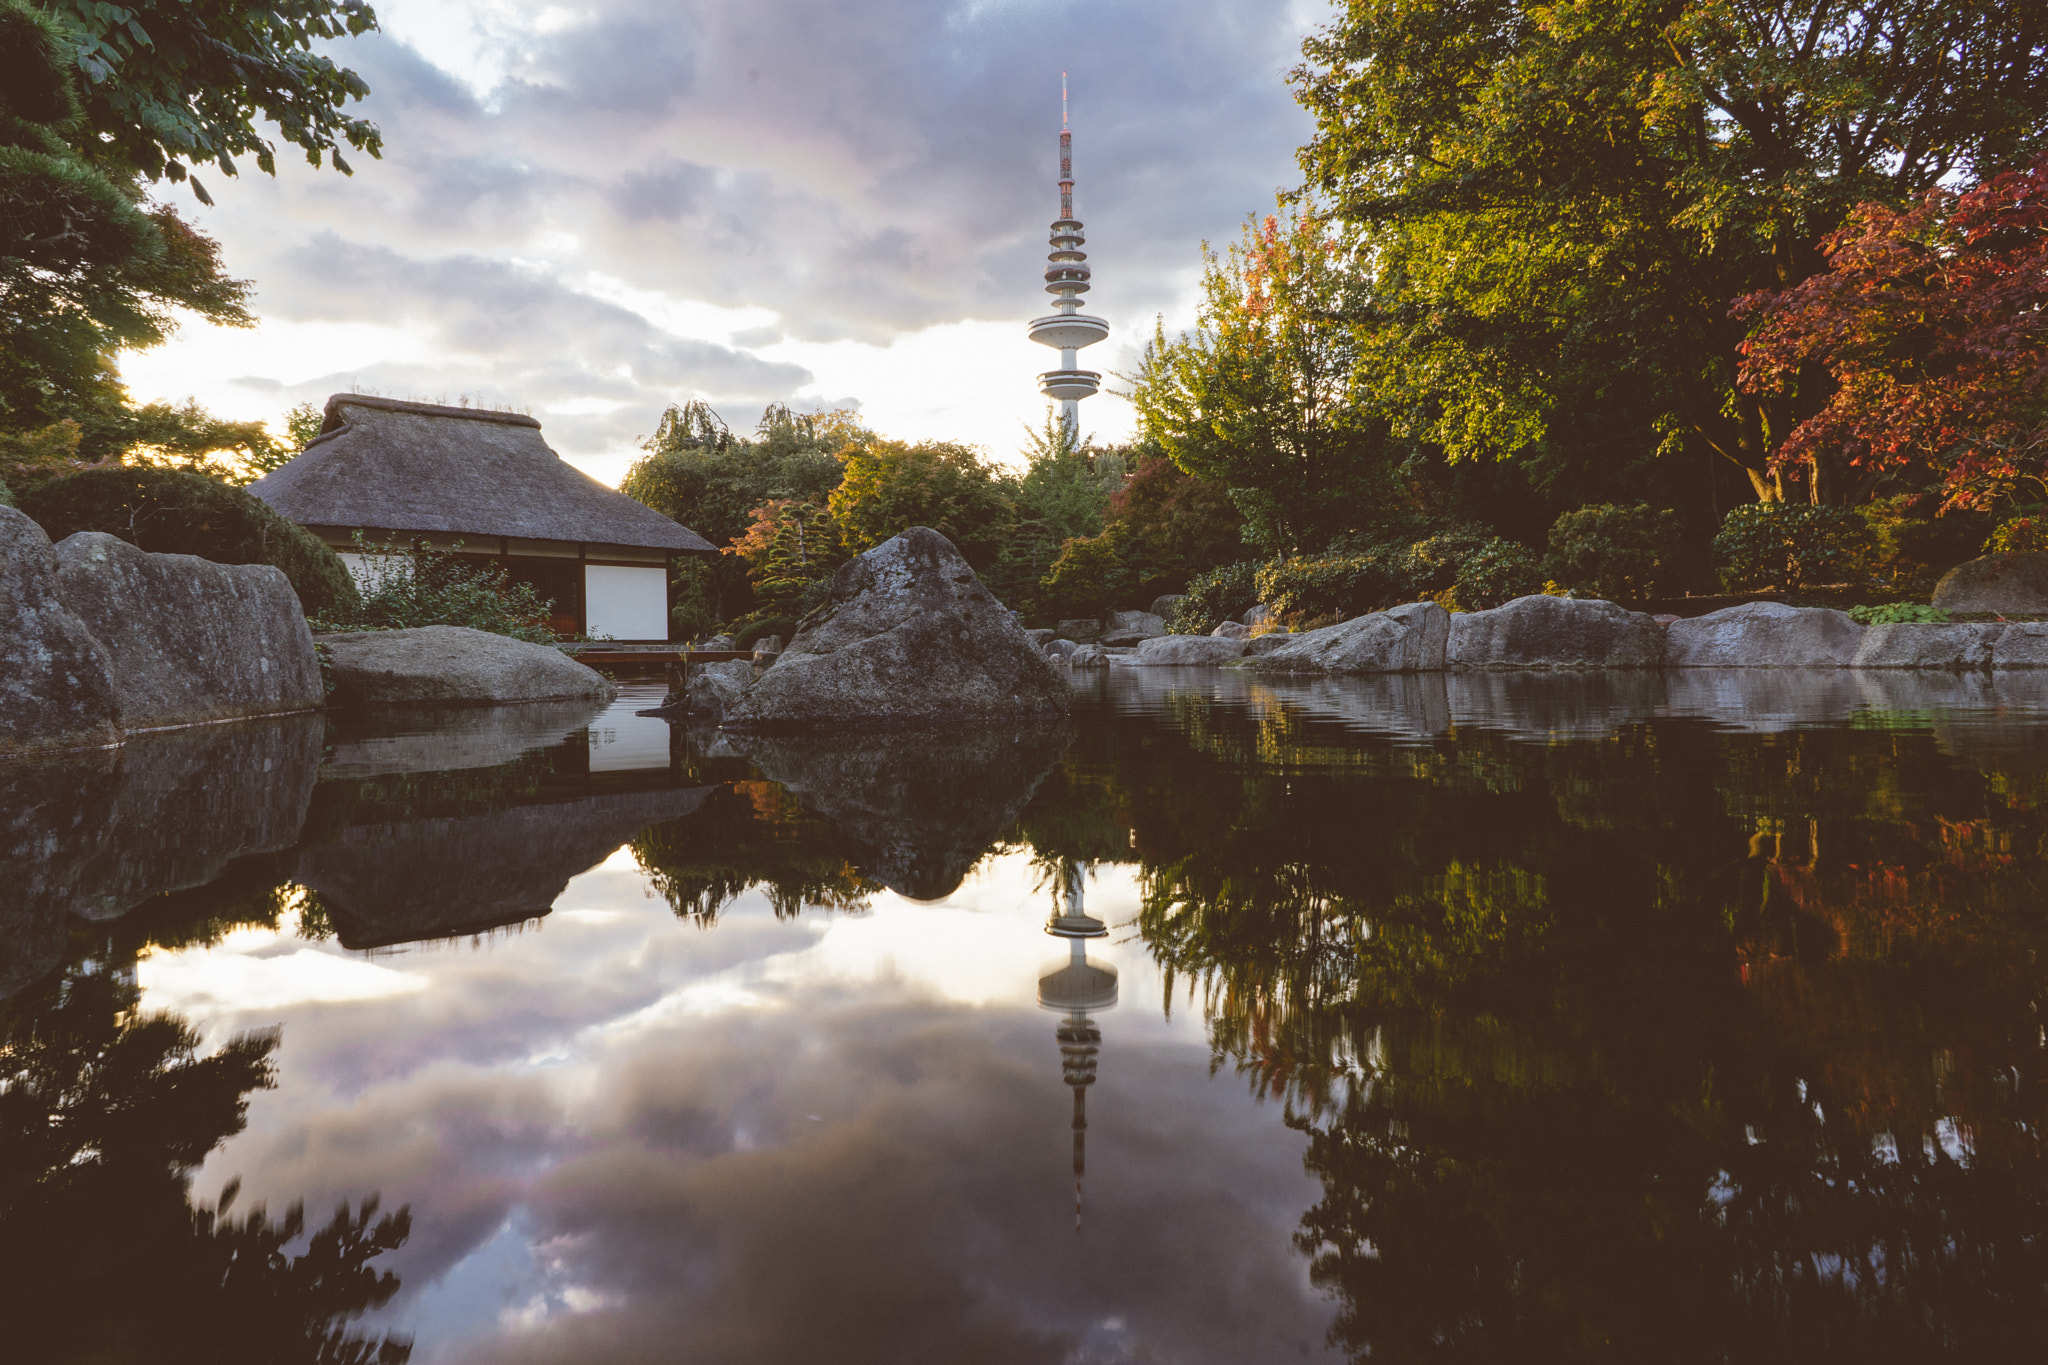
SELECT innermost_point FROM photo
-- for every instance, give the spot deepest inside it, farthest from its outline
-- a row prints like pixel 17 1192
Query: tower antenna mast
pixel 1068 329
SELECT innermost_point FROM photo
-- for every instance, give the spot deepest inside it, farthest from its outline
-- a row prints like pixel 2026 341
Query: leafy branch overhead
pixel 170 85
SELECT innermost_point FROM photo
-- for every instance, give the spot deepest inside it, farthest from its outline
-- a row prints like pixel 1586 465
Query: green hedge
pixel 170 511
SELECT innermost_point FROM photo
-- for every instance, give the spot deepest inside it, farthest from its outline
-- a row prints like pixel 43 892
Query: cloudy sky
pixel 596 211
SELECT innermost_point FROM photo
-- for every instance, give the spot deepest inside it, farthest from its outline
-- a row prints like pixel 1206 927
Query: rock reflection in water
pixel 90 836
pixel 918 808
pixel 376 742
pixel 438 877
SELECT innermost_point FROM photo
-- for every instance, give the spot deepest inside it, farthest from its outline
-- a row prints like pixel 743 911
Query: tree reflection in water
pixel 104 1114
pixel 1676 1044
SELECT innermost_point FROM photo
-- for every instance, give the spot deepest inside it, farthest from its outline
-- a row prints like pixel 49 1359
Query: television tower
pixel 1077 988
pixel 1068 329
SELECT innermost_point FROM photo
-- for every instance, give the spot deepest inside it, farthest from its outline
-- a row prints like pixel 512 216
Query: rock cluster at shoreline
pixel 1539 633
pixel 100 640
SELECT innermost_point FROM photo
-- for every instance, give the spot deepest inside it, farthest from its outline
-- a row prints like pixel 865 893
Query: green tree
pixel 1063 493
pixel 1559 204
pixel 86 268
pixel 891 486
pixel 175 84
pixel 1258 397
pixel 791 550
pixel 95 100
pixel 700 473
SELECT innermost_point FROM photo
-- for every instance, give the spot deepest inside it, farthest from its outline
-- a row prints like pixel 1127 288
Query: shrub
pixel 413 585
pixel 1912 546
pixel 1495 573
pixel 1215 597
pixel 1465 569
pixel 1089 577
pixel 785 626
pixel 1899 613
pixel 2018 536
pixel 170 511
pixel 1313 590
pixel 1788 546
pixel 1610 551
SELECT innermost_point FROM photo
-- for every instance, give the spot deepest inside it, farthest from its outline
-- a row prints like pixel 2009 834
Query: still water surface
pixel 1597 1017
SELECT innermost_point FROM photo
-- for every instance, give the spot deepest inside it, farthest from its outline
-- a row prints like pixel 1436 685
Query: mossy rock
pixel 171 511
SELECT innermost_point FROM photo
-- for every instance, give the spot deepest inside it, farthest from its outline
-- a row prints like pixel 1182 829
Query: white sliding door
pixel 625 603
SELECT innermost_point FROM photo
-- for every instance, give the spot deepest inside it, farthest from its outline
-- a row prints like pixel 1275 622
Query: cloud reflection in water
pixel 624 1137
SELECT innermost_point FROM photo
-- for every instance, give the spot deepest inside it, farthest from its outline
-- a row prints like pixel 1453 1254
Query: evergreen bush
pixel 1090 577
pixel 171 511
pixel 785 626
pixel 1788 546
pixel 1610 551
pixel 1214 597
pixel 1493 574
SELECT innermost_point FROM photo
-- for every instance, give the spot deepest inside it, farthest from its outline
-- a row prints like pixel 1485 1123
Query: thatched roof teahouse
pixel 400 471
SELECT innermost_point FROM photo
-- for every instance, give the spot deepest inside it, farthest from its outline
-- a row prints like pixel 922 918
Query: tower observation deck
pixel 1067 329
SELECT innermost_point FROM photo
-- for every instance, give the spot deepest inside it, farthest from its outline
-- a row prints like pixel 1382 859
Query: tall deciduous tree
pixel 1563 200
pixel 1258 396
pixel 1931 329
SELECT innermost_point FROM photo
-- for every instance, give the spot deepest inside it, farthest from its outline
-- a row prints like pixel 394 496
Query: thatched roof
pixel 385 465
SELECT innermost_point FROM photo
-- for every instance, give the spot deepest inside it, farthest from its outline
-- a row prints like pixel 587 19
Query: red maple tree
pixel 1933 324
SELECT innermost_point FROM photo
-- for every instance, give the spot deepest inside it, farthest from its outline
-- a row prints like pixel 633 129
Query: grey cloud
pixel 486 306
pixel 859 170
pixel 663 193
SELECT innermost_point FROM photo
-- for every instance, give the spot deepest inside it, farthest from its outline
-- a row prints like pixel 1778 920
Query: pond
pixel 1578 1017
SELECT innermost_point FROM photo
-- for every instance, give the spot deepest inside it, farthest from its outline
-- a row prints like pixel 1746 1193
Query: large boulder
pixel 1088 656
pixel 452 666
pixel 56 681
pixel 712 690
pixel 1409 639
pixel 443 876
pixel 1188 650
pixel 1763 635
pixel 908 635
pixel 1554 632
pixel 1130 628
pixel 190 640
pixel 1081 629
pixel 2009 583
pixel 2023 644
pixel 1912 645
pixel 1267 643
pixel 1232 630
pixel 89 836
pixel 1166 604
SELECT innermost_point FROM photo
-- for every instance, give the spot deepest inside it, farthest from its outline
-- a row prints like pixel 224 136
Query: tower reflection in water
pixel 1077 988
